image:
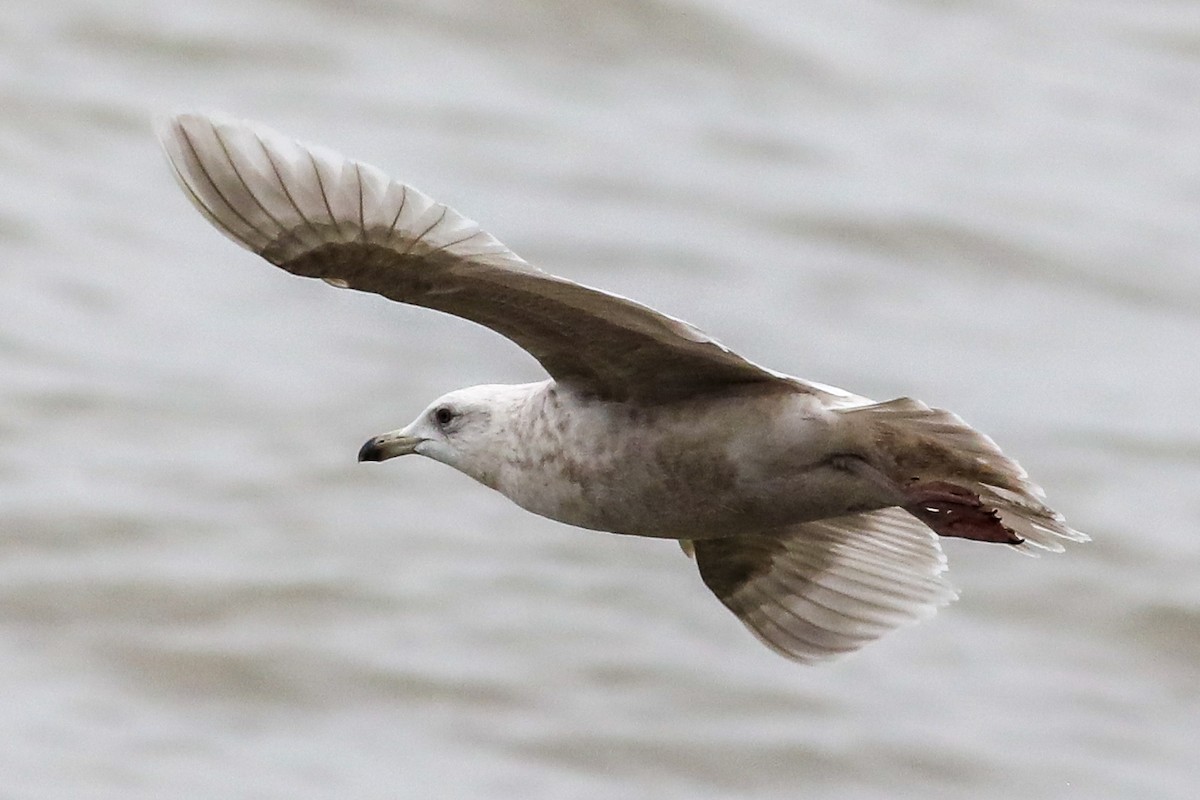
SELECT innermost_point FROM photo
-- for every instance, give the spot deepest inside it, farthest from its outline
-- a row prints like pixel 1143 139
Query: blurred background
pixel 991 205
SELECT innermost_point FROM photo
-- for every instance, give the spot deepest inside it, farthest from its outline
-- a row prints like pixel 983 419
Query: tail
pixel 956 480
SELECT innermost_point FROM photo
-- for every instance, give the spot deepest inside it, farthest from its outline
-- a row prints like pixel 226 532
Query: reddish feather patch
pixel 954 511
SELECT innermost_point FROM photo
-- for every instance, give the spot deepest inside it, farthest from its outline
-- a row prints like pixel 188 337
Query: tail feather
pixel 921 447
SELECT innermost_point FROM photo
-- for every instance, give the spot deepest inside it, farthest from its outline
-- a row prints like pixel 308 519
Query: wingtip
pixel 168 129
pixel 168 125
pixel 172 130
pixel 163 125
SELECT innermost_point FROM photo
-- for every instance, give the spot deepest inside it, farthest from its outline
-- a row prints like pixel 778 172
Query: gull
pixel 812 513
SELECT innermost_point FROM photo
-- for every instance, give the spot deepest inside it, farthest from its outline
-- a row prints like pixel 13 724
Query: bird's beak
pixel 389 445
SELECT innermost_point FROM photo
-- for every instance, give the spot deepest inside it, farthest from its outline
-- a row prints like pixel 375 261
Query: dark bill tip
pixel 371 451
pixel 389 445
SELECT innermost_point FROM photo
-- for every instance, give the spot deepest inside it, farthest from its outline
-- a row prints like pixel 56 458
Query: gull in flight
pixel 812 513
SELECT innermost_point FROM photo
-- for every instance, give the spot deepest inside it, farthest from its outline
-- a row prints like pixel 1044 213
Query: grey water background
pixel 993 205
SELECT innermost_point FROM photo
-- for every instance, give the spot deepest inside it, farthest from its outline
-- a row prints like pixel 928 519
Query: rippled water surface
pixel 994 206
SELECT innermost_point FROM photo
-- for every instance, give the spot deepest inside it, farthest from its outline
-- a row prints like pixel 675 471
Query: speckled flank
pixel 686 470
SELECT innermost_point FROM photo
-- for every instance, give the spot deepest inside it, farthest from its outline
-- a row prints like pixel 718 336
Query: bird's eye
pixel 443 416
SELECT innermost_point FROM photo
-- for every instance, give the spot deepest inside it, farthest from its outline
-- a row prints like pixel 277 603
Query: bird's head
pixel 462 429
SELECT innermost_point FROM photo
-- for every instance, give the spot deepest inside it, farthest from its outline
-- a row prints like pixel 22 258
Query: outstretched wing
pixel 317 214
pixel 824 588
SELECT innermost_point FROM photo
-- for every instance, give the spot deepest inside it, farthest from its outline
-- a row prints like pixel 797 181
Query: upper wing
pixel 319 215
pixel 824 588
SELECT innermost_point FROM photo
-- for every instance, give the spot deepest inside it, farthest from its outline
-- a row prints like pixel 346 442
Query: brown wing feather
pixel 611 346
pixel 319 215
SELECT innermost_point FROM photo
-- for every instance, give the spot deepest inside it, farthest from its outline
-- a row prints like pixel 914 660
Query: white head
pixel 467 429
